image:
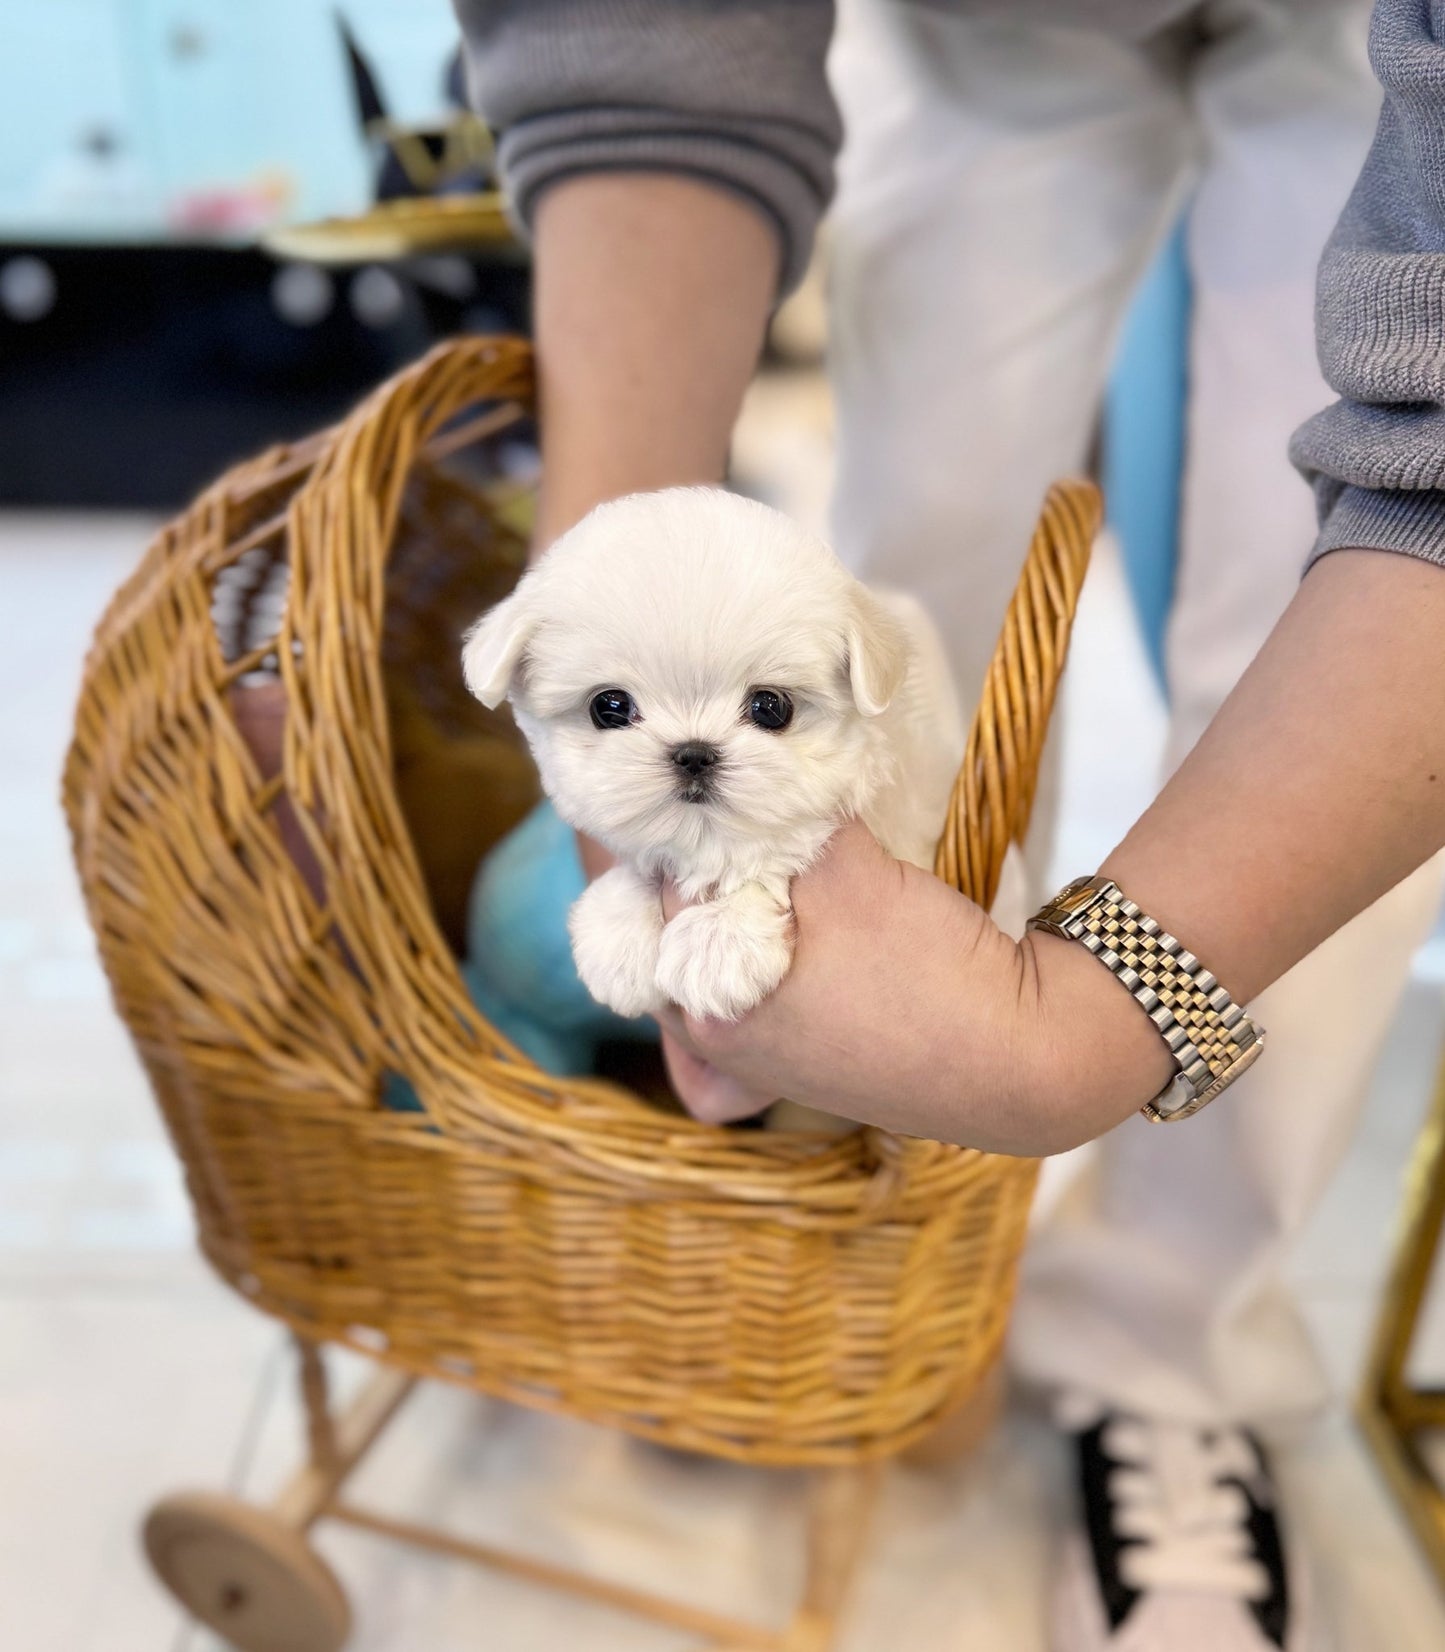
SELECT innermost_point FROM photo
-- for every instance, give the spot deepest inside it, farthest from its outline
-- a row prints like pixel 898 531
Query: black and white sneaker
pixel 1179 1548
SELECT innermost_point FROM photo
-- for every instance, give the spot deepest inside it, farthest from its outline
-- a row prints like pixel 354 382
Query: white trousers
pixel 1002 189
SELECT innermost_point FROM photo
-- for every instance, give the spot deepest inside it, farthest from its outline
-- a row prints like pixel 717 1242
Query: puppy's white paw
pixel 719 959
pixel 615 925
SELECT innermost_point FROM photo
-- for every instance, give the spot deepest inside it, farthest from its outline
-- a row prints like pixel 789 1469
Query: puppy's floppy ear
pixel 877 655
pixel 494 648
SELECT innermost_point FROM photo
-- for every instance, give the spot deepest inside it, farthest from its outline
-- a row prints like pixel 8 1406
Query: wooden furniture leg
pixel 840 1506
pixel 962 1431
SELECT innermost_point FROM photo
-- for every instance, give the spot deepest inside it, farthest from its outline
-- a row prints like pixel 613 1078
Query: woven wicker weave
pixel 273 946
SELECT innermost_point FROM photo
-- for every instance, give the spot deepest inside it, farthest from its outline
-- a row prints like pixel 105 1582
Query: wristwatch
pixel 1210 1037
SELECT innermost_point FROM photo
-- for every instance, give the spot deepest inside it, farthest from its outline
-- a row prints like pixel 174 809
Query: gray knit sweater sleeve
pixel 1376 457
pixel 729 90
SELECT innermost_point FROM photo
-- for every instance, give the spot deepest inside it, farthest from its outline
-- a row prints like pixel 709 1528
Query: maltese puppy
pixel 708 692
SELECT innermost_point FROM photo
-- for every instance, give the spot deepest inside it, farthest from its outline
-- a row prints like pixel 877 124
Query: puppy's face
pixel 695 675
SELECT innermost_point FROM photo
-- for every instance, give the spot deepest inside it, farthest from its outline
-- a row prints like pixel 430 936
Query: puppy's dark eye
pixel 612 708
pixel 770 708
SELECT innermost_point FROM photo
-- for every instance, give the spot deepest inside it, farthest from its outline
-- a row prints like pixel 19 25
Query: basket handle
pixel 993 795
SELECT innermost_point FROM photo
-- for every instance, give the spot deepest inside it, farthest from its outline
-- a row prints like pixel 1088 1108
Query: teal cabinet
pixel 197 120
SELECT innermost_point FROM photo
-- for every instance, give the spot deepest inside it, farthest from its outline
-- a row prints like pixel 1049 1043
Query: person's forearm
pixel 652 295
pixel 1318 786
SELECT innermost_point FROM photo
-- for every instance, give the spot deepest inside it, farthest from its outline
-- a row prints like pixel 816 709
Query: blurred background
pixel 148 338
pixel 219 225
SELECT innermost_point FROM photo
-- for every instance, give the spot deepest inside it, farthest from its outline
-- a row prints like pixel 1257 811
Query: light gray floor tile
pixel 107 1401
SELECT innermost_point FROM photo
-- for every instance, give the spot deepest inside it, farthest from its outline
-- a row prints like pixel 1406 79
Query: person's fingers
pixel 707 1040
pixel 708 1094
pixel 852 862
pixel 595 859
pixel 672 902
pixel 674 1025
pixel 850 846
pixel 850 852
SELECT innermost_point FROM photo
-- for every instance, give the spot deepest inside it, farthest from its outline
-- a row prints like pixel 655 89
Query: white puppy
pixel 707 692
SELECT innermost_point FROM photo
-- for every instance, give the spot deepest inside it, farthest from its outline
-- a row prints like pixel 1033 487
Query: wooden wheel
pixel 254 1580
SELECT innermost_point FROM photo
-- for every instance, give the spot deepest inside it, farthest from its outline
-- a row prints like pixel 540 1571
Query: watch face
pixel 1079 893
pixel 1241 1063
pixel 1069 901
pixel 1162 1110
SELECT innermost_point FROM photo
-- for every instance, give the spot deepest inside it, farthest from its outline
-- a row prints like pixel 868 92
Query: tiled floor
pixel 126 1371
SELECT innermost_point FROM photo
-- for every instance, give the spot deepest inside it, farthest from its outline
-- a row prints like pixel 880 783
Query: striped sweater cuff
pixel 1412 523
pixel 788 190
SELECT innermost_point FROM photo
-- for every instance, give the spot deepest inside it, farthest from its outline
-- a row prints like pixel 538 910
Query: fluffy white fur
pixel 690 600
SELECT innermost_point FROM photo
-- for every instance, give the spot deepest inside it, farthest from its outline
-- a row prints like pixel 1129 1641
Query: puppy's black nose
pixel 695 757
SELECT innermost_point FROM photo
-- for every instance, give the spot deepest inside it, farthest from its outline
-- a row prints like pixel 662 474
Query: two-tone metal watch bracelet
pixel 1210 1037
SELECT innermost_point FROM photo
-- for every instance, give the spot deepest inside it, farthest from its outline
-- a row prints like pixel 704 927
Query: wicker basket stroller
pixel 276 928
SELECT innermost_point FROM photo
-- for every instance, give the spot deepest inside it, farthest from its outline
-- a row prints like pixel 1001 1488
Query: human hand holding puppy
pixel 708 693
pixel 907 1007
